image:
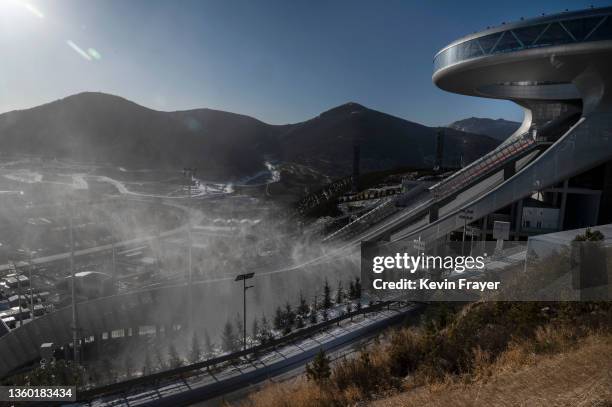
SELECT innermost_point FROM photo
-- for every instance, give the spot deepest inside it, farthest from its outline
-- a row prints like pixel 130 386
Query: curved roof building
pixel 538 58
pixel 558 69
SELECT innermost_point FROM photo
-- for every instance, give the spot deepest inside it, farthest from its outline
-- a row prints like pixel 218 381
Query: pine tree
pixel 357 288
pixel 239 327
pixel 349 307
pixel 265 331
pixel 228 338
pixel 303 307
pixel 147 367
pixel 313 317
pixel 278 319
pixel 196 352
pixel 339 293
pixel 174 359
pixel 289 315
pixel 352 294
pixel 208 347
pixel 326 295
pixel 286 329
pixel 318 370
pixel 255 332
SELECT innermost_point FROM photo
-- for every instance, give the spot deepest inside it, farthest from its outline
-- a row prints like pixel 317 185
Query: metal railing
pixel 494 160
pixel 88 395
pixel 508 151
pixel 379 212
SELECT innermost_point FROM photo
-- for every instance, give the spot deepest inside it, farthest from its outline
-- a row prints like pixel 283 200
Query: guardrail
pixel 507 151
pixel 378 212
pixel 496 159
pixel 323 195
pixel 155 378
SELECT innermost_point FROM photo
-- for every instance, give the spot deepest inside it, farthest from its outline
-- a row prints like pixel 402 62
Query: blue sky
pixel 279 61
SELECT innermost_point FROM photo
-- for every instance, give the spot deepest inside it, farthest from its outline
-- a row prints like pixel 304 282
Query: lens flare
pixel 33 9
pixel 12 7
pixel 94 53
pixel 78 50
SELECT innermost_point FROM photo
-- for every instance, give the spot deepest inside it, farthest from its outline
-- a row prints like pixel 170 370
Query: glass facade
pixel 557 32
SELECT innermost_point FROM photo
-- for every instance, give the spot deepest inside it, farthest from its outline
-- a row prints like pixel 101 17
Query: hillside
pixel 498 129
pixel 97 127
pixel 105 128
pixel 326 141
pixel 577 376
pixel 485 353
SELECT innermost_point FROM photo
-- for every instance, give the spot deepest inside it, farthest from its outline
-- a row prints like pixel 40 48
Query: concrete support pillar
pixel 483 231
pixel 433 213
pixel 563 203
pixel 509 170
pixel 605 203
pixel 518 219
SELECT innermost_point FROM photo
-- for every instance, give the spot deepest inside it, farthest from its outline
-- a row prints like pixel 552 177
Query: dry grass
pixel 485 354
pixel 579 377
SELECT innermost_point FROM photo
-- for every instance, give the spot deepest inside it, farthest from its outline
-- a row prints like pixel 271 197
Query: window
pixel 603 32
pixel 554 34
pixel 507 43
pixel 529 34
pixel 581 27
pixel 488 42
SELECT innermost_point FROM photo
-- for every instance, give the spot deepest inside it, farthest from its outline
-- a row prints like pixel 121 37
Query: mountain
pixel 498 129
pixel 100 127
pixel 386 141
pixel 97 127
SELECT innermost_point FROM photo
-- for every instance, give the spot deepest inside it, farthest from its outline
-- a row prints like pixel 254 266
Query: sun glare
pixel 15 8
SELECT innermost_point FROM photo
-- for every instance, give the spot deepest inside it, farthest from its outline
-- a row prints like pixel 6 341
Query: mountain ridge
pixel 498 129
pixel 93 126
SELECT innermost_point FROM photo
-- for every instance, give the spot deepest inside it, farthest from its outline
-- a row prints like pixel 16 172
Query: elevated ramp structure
pixel 558 69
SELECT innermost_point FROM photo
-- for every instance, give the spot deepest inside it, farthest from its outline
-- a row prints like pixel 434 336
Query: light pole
pixel 471 239
pixel 75 334
pixel 30 282
pixel 244 278
pixel 467 215
pixel 113 232
pixel 188 174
